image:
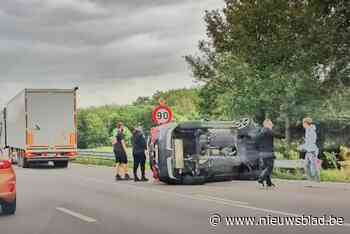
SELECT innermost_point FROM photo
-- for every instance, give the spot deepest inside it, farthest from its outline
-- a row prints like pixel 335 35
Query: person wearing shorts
pixel 121 158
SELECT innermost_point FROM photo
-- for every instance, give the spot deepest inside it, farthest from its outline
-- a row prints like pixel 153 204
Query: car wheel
pixel 9 208
pixel 61 164
pixel 193 180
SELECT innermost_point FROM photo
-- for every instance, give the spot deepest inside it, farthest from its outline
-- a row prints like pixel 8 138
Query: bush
pixel 293 155
pixel 286 151
pixel 329 160
pixel 335 176
pixel 279 156
pixel 344 154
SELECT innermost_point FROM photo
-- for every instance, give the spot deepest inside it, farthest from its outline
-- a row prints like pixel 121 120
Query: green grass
pixel 109 149
pixel 102 162
pixel 288 175
pixel 94 161
pixel 335 176
pixel 326 175
pixel 104 149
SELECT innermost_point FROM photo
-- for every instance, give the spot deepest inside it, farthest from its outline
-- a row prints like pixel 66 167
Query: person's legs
pixel 126 171
pixel 269 166
pixel 117 166
pixel 315 168
pixel 118 171
pixel 263 174
pixel 136 166
pixel 124 166
pixel 310 168
pixel 143 168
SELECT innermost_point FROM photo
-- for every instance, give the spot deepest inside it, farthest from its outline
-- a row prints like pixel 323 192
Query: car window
pixel 3 155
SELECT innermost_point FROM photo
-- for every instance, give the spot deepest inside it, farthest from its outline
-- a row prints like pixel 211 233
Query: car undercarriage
pixel 198 152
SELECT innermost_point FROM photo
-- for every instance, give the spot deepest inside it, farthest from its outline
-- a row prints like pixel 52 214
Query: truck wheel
pixel 25 163
pixel 63 164
pixel 9 208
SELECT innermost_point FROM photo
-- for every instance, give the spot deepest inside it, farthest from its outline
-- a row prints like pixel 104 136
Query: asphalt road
pixel 87 200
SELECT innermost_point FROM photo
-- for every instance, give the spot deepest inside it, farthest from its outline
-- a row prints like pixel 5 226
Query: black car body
pixel 201 151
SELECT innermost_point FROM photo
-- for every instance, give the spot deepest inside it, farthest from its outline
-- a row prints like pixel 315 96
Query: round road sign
pixel 162 115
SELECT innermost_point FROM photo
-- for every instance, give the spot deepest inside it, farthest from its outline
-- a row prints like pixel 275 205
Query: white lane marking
pixel 221 202
pixel 76 215
pixel 203 196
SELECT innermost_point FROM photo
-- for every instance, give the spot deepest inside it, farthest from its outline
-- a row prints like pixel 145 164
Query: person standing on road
pixel 265 145
pixel 119 149
pixel 139 148
pixel 310 147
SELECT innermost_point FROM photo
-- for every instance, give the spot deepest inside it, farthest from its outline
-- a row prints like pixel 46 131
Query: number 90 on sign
pixel 162 115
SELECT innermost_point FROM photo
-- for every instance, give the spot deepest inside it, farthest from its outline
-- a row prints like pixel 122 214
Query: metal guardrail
pixel 289 164
pixel 87 153
pixel 284 164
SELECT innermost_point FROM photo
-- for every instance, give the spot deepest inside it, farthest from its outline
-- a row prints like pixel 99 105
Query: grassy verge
pixel 288 174
pixel 95 161
pixel 335 176
pixel 106 149
pixel 326 175
pixel 101 162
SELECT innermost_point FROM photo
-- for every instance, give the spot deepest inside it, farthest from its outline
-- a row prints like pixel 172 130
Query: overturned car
pixel 200 151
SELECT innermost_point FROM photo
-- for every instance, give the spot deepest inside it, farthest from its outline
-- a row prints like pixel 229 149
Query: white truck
pixel 40 126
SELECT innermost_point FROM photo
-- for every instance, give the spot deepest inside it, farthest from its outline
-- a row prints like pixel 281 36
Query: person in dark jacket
pixel 139 147
pixel 265 145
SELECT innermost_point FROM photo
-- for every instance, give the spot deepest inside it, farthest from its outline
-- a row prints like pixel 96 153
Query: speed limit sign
pixel 162 115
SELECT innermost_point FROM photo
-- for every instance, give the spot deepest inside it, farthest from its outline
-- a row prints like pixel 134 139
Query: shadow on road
pixel 45 167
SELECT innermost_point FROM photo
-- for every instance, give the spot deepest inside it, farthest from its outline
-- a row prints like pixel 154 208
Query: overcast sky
pixel 114 50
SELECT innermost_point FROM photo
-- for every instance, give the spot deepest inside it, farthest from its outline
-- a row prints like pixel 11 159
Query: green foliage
pixel 96 124
pixel 344 154
pixel 326 175
pixel 330 160
pixel 93 131
pixel 334 176
pixel 293 155
pixel 183 102
pixel 278 58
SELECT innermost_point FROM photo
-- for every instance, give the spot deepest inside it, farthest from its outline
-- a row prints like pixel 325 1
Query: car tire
pixel 169 181
pixel 61 164
pixel 9 208
pixel 193 180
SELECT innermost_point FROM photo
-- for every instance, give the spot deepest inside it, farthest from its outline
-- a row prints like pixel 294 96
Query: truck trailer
pixel 40 126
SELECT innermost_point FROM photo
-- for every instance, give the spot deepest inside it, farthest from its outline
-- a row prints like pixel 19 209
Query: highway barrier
pixel 283 164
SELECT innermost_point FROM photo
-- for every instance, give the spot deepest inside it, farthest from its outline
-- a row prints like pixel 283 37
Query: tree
pixel 92 131
pixel 265 57
pixel 96 124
